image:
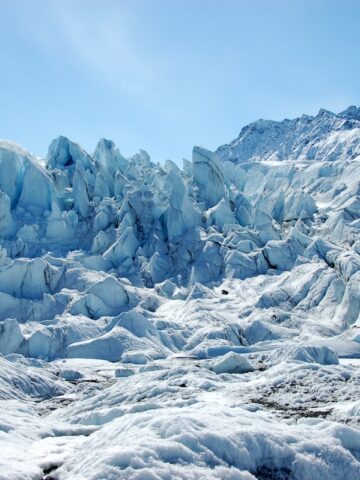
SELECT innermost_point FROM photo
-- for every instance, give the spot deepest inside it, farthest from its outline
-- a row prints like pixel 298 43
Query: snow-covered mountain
pixel 203 322
pixel 325 137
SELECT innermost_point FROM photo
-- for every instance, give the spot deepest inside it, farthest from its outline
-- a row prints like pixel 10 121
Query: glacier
pixel 159 322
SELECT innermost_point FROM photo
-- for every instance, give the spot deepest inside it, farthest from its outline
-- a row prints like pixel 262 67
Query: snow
pixel 203 322
pixel 231 363
pixel 305 353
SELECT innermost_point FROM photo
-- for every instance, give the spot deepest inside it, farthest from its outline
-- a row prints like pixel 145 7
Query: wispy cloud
pixel 97 38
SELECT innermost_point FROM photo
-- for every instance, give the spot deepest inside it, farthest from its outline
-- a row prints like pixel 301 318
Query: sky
pixel 164 75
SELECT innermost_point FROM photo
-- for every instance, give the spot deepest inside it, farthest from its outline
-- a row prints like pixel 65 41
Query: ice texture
pixel 159 322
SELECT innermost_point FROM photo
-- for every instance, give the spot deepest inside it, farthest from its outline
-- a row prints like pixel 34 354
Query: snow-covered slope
pixel 203 322
pixel 325 137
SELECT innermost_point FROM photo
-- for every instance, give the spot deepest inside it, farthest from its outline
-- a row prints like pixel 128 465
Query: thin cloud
pixel 98 41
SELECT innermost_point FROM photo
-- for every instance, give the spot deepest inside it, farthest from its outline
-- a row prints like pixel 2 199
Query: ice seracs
pixel 197 322
pixel 208 176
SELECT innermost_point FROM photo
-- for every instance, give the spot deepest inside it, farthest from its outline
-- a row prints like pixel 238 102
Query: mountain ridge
pixel 297 138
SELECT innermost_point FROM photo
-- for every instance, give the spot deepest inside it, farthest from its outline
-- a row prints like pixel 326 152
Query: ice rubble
pixel 189 323
pixel 231 363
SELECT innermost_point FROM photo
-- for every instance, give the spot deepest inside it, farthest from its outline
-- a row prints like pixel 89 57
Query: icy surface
pixel 168 323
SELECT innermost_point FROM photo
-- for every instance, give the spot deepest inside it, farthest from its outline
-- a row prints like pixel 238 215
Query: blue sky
pixel 164 75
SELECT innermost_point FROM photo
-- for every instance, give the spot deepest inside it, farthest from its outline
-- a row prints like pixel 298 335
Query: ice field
pixel 202 322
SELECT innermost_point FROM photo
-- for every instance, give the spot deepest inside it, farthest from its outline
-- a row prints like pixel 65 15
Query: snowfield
pixel 159 323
